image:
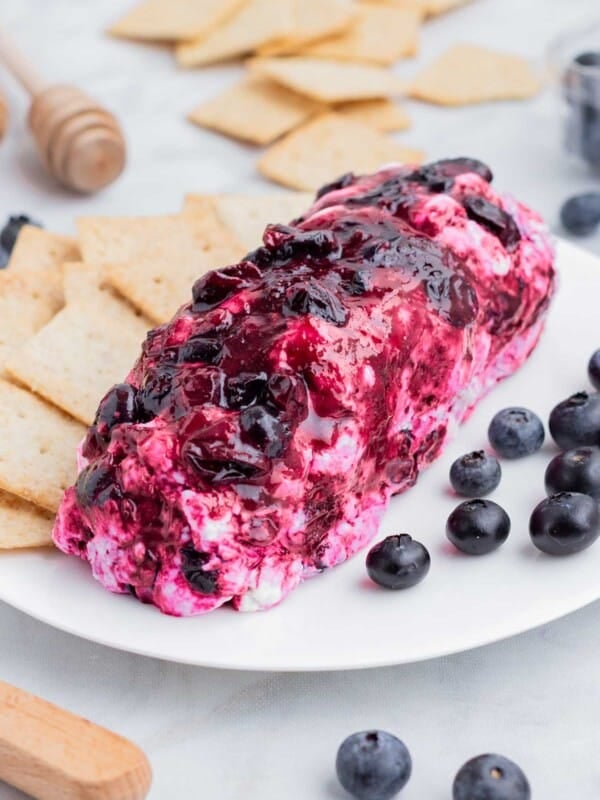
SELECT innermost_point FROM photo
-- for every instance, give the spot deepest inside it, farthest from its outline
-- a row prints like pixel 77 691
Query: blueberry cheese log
pixel 262 432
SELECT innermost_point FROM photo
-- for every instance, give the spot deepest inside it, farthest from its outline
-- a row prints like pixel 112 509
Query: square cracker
pixel 247 215
pixel 80 354
pixel 327 147
pixel 429 8
pixel 24 309
pixel 329 81
pixel 37 447
pixel 313 20
pixel 383 115
pixel 255 110
pixel 381 35
pixel 80 281
pixel 467 74
pixel 168 20
pixel 23 524
pixel 39 254
pixel 256 23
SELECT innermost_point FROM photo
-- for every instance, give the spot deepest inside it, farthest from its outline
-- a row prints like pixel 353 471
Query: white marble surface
pixel 226 735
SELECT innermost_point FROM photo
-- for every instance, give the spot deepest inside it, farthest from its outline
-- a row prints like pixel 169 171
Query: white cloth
pixel 535 698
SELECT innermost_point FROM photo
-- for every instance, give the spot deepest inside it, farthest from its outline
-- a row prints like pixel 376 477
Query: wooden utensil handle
pixel 22 69
pixel 54 755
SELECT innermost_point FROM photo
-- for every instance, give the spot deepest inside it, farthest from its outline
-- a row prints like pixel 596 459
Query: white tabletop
pixel 231 735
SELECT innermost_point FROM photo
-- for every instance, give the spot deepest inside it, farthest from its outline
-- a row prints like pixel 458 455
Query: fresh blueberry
pixel 478 527
pixel 580 215
pixel 398 562
pixel 577 470
pixel 576 421
pixel 516 432
pixel 591 58
pixel 490 777
pixel 594 369
pixel 565 523
pixel 373 765
pixel 475 474
pixel 10 232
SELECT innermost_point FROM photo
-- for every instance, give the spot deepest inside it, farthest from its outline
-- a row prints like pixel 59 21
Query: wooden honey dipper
pixel 53 755
pixel 80 143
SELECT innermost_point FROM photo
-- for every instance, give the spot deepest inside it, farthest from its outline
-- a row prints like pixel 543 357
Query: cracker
pixel 256 23
pixel 313 20
pixel 383 115
pixel 22 524
pixel 247 215
pixel 169 20
pixel 37 447
pixel 329 81
pixel 39 254
pixel 24 309
pixel 80 354
pixel 381 35
pixel 255 110
pixel 429 8
pixel 467 74
pixel 80 281
pixel 326 147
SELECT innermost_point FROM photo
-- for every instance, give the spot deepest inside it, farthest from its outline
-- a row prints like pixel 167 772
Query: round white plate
pixel 340 620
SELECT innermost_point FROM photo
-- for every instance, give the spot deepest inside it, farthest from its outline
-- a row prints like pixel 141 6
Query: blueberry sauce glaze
pixel 262 432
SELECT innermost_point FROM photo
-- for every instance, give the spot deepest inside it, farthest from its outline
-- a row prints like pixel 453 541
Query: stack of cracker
pixel 319 91
pixel 73 315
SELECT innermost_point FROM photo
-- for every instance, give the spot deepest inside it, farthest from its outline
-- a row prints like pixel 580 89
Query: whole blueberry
pixel 577 470
pixel 117 407
pixel 373 765
pixel 580 215
pixel 576 421
pixel 11 230
pixel 398 562
pixel 565 523
pixel 594 369
pixel 490 777
pixel 478 527
pixel 516 432
pixel 475 474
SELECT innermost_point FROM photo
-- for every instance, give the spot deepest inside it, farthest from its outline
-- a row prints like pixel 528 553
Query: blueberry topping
pixel 10 232
pixel 360 282
pixel 577 470
pixel 118 406
pixel 96 485
pixel 516 432
pixel 313 298
pixel 576 421
pixel 286 244
pixel 214 288
pixel 565 523
pixel 398 562
pixel 192 567
pixel 373 765
pixel 341 183
pixel 439 176
pixel 478 527
pixel 261 429
pixel 155 393
pixel 490 777
pixel 475 474
pixel 216 470
pixel 494 219
pixel 200 350
pixel 246 389
pixel 594 369
pixel 580 215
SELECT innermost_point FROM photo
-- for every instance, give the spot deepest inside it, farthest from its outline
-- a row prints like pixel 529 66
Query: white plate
pixel 341 621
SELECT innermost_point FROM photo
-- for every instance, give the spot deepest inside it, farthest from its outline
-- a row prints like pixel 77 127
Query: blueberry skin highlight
pixel 373 765
pixel 491 777
pixel 516 432
pixel 565 523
